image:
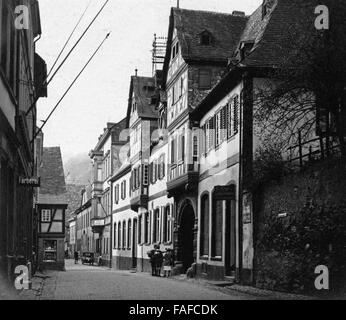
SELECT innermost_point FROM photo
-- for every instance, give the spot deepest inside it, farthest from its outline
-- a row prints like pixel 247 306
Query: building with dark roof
pixel 18 88
pixel 106 158
pixel 229 134
pixel 192 142
pixel 51 206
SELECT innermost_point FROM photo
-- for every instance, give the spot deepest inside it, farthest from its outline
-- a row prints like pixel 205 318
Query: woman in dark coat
pixel 151 254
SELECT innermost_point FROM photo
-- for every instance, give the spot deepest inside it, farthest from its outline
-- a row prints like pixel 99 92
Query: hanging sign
pixel 30 182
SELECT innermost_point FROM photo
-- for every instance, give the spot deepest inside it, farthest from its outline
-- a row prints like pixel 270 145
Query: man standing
pixel 151 254
pixel 76 257
pixel 158 258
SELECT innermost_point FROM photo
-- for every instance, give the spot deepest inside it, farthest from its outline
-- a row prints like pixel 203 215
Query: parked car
pixel 88 257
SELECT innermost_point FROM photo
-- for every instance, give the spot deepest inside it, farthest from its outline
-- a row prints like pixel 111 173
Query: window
pixel 181 87
pixel 115 236
pixel 46 216
pixel 173 151
pixel 156 224
pixel 146 227
pixel 217 224
pixel 124 235
pixel 183 147
pixel 205 38
pixel 129 234
pixel 204 80
pixel 217 129
pixel 175 50
pixel 50 250
pixel 140 225
pixel 211 133
pixel 167 225
pixel 204 226
pixel 123 190
pixel 119 235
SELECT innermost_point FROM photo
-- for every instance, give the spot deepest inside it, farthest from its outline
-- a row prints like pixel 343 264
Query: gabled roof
pixel 225 30
pixel 53 187
pixel 143 88
pixel 275 38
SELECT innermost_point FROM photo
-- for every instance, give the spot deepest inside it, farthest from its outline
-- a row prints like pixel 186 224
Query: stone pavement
pixel 83 282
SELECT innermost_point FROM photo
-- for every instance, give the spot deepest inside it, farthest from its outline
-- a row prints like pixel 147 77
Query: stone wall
pixel 300 224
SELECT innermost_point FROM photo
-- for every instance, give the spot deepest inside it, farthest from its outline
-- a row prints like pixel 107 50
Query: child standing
pixel 167 263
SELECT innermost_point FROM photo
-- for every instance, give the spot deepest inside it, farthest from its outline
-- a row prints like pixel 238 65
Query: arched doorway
pixel 186 235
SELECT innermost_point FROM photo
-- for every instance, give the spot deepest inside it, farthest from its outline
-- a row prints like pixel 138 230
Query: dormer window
pixel 134 107
pixel 245 48
pixel 205 38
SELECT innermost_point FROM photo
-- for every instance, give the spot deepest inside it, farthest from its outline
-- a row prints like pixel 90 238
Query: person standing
pixel 167 263
pixel 76 257
pixel 151 254
pixel 158 258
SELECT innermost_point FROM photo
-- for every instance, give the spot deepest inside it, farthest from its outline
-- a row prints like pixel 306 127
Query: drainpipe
pixel 111 229
pixel 240 190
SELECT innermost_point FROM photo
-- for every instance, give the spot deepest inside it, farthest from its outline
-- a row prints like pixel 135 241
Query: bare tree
pixel 307 92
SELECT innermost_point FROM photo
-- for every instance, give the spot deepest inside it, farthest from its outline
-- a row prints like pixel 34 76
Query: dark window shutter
pixel 236 114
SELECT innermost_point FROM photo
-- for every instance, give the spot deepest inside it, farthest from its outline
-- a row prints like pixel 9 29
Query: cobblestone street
pixel 95 283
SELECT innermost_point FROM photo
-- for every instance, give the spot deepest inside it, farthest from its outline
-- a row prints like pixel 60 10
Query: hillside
pixel 78 170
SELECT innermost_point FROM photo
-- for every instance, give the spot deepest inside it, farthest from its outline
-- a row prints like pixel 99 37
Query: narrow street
pixel 81 282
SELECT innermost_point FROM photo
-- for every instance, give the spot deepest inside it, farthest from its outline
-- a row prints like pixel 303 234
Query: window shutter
pixel 229 119
pixel 163 166
pixel 183 147
pixel 236 114
pixel 211 133
pixel 130 186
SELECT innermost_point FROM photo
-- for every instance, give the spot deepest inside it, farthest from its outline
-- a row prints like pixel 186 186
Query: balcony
pixel 182 177
pixel 139 198
pixel 97 225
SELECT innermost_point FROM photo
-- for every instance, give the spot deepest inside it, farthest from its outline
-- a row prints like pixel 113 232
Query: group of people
pixel 158 258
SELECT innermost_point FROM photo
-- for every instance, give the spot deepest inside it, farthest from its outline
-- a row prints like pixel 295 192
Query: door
pixel 134 244
pixel 187 237
pixel 230 237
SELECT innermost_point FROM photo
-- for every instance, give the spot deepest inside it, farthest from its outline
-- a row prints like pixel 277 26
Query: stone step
pixel 228 281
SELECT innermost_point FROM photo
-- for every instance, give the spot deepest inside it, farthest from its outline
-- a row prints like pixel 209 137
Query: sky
pixel 101 93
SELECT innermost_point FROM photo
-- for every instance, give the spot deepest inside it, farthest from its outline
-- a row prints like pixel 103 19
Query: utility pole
pixel 178 2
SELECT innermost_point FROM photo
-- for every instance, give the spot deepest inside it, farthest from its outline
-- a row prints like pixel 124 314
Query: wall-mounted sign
pixel 30 182
pixel 98 222
pixel 224 192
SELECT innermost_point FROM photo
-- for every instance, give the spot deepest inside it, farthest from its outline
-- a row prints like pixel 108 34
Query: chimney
pixel 238 13
pixel 136 72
